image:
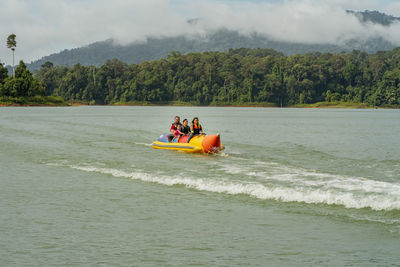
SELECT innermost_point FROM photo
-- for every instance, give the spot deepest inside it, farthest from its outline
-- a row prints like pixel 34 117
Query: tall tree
pixel 12 44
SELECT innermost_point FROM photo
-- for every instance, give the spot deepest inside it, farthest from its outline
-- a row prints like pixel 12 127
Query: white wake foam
pixel 142 144
pixel 356 193
pixel 313 179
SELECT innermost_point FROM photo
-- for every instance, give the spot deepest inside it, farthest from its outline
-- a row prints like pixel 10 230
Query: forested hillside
pixel 375 17
pixel 239 76
pixel 221 40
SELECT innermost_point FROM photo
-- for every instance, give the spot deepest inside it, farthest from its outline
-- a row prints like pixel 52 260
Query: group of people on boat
pixel 179 129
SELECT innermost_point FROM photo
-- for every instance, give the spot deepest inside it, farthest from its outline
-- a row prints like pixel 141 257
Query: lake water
pixel 82 186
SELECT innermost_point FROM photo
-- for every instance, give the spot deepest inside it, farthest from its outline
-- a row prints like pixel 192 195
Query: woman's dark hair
pixel 184 120
pixel 194 119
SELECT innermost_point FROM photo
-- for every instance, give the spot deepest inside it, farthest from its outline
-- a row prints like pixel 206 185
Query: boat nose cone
pixel 211 143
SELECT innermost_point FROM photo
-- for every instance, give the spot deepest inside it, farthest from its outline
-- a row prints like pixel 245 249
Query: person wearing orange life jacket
pixel 195 128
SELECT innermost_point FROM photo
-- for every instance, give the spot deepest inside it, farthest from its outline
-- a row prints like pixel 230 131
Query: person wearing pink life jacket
pixel 177 133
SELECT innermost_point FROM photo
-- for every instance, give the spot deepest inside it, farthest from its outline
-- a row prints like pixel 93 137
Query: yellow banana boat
pixel 198 144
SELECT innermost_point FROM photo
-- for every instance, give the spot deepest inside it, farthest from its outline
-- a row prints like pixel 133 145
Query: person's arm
pixel 191 129
pixel 172 130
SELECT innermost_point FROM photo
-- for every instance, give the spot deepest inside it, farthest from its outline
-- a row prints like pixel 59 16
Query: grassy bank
pixel 32 101
pixel 58 101
pixel 337 104
pixel 146 103
pixel 194 104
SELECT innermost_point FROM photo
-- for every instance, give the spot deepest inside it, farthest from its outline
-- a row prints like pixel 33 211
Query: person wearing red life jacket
pixel 174 127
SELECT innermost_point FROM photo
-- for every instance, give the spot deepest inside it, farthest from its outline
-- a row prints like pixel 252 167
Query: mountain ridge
pixel 221 40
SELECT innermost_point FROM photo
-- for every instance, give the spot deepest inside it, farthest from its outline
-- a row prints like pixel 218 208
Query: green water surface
pixel 81 186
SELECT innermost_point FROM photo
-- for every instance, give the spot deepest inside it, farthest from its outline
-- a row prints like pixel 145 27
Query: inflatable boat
pixel 198 143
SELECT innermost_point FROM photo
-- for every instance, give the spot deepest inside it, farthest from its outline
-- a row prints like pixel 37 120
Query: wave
pixel 310 178
pixel 355 193
pixel 142 144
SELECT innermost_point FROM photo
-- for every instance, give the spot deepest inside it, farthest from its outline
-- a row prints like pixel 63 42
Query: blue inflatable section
pixel 163 138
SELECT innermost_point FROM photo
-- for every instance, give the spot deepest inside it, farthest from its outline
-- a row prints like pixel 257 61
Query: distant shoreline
pixel 338 104
pixel 51 101
pixel 326 105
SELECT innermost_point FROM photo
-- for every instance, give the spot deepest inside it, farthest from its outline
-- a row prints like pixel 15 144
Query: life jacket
pixel 173 126
pixel 196 128
pixel 176 133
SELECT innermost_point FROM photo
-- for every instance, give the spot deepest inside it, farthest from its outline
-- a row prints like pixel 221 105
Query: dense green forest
pixel 24 84
pixel 237 77
pixel 24 88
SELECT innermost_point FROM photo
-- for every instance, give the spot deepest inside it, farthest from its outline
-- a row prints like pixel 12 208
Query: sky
pixel 44 27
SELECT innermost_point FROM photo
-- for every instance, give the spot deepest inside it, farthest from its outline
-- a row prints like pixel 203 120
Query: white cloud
pixel 393 9
pixel 48 26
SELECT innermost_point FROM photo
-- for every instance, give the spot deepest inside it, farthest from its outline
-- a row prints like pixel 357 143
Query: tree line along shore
pixel 238 77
